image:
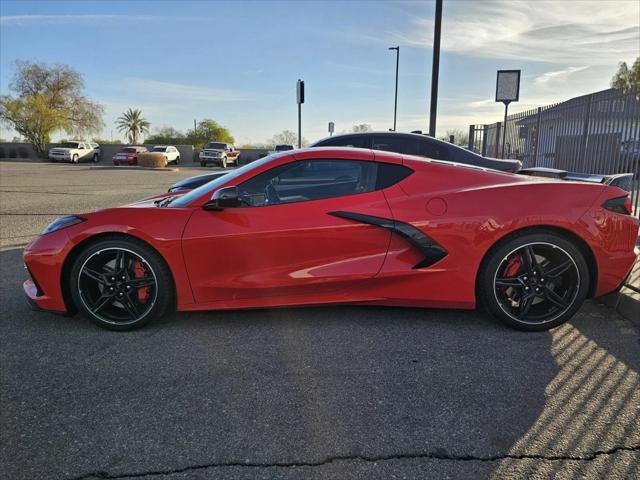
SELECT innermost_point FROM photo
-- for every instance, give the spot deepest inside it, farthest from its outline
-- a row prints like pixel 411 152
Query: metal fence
pixel 597 133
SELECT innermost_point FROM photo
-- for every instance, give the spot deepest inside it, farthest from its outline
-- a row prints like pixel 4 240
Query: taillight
pixel 619 205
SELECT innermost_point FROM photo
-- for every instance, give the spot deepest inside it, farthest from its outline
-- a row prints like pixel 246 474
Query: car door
pixel 82 151
pixel 293 246
pixel 232 153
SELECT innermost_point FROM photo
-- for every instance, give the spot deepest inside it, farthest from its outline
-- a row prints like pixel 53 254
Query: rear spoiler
pixel 621 180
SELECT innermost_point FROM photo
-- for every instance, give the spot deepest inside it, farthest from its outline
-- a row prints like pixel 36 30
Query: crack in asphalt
pixel 438 454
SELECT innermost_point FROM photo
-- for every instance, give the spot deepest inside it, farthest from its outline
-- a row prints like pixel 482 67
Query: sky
pixel 238 62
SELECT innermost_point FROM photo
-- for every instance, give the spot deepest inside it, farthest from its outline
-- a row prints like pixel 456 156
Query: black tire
pixel 74 159
pixel 95 158
pixel 113 302
pixel 537 294
pixel 224 162
pixel 177 160
pixel 203 164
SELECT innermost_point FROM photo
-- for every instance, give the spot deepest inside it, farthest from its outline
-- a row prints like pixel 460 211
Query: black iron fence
pixel 597 133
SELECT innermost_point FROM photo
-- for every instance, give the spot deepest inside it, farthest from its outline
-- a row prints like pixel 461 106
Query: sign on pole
pixel 300 92
pixel 507 91
pixel 300 100
pixel 508 86
pixel 331 128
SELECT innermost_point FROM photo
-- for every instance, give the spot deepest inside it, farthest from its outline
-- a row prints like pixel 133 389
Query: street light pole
pixel 395 105
pixel 435 68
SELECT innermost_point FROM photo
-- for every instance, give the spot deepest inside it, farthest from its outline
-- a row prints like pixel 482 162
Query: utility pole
pixel 395 105
pixel 435 68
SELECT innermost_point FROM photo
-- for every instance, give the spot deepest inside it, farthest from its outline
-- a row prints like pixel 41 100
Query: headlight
pixel 63 222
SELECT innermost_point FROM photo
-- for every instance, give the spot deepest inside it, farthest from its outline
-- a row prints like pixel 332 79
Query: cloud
pixel 182 92
pixel 556 75
pixel 572 33
pixel 22 20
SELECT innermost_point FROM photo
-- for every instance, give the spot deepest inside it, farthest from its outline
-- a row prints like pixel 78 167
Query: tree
pixel 208 130
pixel 48 99
pixel 133 125
pixel 166 136
pixel 628 80
pixel 460 137
pixel 363 127
pixel 287 137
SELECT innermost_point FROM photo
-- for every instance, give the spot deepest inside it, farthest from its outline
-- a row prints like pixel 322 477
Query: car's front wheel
pixel 74 159
pixel 534 281
pixel 121 284
pixel 224 162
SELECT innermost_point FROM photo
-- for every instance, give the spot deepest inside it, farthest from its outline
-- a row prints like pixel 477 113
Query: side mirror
pixel 224 198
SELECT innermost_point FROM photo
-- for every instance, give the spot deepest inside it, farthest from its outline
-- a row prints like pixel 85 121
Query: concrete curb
pixel 132 167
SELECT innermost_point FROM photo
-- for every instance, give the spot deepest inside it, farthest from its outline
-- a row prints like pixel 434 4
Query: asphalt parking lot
pixel 339 392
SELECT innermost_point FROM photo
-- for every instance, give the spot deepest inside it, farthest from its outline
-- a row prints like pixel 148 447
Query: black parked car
pixel 417 144
pixel 195 182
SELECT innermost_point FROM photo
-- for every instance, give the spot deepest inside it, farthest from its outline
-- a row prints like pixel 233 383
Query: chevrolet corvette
pixel 342 226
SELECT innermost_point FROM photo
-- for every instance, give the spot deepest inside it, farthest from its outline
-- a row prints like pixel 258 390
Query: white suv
pixel 75 152
pixel 171 153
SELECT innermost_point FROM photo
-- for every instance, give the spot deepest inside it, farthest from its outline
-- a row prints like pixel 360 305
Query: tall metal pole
pixel 395 105
pixel 504 126
pixel 299 125
pixel 435 68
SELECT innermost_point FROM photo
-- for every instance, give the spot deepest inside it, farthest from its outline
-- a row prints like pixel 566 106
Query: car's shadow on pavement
pixel 339 391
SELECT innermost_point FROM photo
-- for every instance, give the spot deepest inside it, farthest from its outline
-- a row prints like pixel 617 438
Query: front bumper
pixel 64 158
pixel 123 161
pixel 40 303
pixel 44 258
pixel 211 159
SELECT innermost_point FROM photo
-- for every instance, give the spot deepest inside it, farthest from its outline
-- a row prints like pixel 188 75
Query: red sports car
pixel 342 226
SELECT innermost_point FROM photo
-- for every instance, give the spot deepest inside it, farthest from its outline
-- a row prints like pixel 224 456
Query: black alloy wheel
pixel 121 284
pixel 535 282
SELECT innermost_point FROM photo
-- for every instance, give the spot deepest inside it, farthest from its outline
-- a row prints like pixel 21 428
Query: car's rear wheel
pixel 121 284
pixel 534 281
pixel 177 160
pixel 95 158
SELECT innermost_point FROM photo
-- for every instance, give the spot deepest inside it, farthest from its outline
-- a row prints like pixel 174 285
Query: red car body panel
pixel 298 254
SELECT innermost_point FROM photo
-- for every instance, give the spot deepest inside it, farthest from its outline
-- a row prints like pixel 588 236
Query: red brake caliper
pixel 513 266
pixel 138 269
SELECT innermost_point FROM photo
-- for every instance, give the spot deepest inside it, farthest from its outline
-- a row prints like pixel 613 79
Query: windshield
pixel 69 145
pixel 185 200
pixel 217 146
pixel 159 149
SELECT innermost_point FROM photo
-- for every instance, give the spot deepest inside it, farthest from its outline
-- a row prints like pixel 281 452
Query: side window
pixel 81 146
pixel 393 143
pixel 309 180
pixel 433 150
pixel 355 141
pixel 390 174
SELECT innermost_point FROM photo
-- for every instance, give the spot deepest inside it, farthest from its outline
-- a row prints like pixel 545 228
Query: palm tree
pixel 133 125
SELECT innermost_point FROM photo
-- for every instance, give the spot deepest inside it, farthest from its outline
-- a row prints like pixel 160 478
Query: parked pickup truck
pixel 217 153
pixel 75 152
